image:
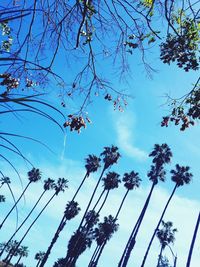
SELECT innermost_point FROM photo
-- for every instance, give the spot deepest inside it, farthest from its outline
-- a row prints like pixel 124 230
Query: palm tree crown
pixel 110 156
pixel 131 180
pixel 111 180
pixel 166 234
pixel 61 185
pixel 49 184
pixel 34 175
pixel 181 175
pixel 156 174
pixel 92 163
pixel 39 255
pixel 71 210
pixel 105 230
pixel 161 154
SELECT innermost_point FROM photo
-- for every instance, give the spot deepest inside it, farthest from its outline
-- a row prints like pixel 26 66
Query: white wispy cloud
pixel 125 127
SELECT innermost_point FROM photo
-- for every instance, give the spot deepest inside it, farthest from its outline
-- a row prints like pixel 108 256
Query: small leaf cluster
pixel 182 47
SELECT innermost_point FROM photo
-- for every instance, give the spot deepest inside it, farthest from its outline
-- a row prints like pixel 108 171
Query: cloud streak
pixel 124 127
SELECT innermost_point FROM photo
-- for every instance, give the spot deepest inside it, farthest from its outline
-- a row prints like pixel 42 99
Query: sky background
pixel 134 131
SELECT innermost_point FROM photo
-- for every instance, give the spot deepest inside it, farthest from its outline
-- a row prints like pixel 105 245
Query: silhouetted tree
pixel 92 165
pixel 48 184
pixel 39 256
pixel 161 156
pixel 193 241
pixel 180 176
pixel 33 176
pixel 60 186
pixel 166 236
pixel 23 252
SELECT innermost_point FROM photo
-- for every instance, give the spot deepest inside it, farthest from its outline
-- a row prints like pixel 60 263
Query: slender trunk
pixel 193 241
pixel 60 227
pixel 91 198
pixel 88 228
pixel 38 263
pixel 18 260
pixel 22 223
pixel 33 224
pixel 131 242
pixel 122 203
pixel 14 205
pixel 10 189
pixel 93 256
pixel 98 255
pixel 102 193
pixel 159 256
pixel 157 227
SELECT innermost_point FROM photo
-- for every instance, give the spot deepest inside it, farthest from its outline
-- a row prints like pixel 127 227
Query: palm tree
pixel 6 180
pixel 33 176
pixel 110 182
pixel 2 198
pixel 103 234
pixel 39 256
pixel 180 176
pixel 92 165
pixel 12 250
pixel 131 180
pixel 193 241
pixel 60 186
pixel 110 156
pixel 48 184
pixel 161 155
pixel 23 252
pixel 166 237
pixel 78 243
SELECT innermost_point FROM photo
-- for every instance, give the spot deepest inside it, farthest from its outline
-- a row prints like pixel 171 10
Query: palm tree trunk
pixel 60 227
pixel 160 256
pixel 14 205
pixel 121 204
pixel 22 222
pixel 93 256
pixel 18 260
pixel 96 253
pixel 91 198
pixel 193 241
pixel 131 242
pixel 157 227
pixel 33 224
pixel 38 263
pixel 88 228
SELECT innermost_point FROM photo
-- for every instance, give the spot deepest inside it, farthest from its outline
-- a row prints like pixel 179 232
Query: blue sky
pixel 134 131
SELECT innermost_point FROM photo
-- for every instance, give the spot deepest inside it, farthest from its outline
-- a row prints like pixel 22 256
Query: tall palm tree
pixel 23 252
pixel 180 176
pixel 12 250
pixel 6 180
pixel 33 176
pixel 193 241
pixel 39 256
pixel 48 184
pixel 60 186
pixel 110 182
pixel 131 181
pixel 92 165
pixel 103 234
pixel 161 155
pixel 166 236
pixel 110 156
